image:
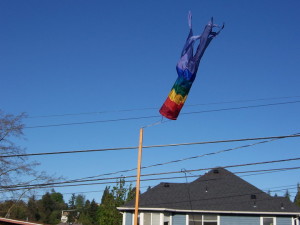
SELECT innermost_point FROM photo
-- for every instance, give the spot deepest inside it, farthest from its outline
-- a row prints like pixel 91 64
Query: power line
pixel 153 108
pixel 157 116
pixel 260 172
pixel 83 192
pixel 179 160
pixel 92 122
pixel 165 163
pixel 270 189
pixel 232 195
pixel 241 101
pixel 197 156
pixel 284 188
pixel 151 146
pixel 242 107
pixel 56 185
pixel 212 153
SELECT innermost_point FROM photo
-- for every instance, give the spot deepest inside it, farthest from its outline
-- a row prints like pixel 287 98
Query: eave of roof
pixel 210 211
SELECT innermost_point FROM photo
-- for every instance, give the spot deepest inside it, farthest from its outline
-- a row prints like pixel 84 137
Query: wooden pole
pixel 138 178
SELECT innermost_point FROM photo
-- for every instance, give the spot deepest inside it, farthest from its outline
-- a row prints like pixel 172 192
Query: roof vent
pixel 215 171
pixel 166 185
pixel 282 206
pixel 253 196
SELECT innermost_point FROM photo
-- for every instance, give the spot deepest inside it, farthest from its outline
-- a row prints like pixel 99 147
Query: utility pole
pixel 138 177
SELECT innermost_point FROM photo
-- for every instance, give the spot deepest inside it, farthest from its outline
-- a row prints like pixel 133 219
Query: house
pixel 217 198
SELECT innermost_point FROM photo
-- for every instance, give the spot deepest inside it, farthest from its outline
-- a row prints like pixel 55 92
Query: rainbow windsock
pixel 177 96
pixel 187 68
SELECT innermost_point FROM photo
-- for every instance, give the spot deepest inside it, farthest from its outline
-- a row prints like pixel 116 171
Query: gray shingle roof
pixel 217 190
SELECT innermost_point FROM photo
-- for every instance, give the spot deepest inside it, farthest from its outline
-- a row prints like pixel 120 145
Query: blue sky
pixel 75 57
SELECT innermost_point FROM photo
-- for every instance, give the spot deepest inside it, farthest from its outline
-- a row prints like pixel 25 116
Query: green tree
pixel 79 202
pixel 72 201
pixel 76 203
pixel 50 207
pixel 120 192
pixel 108 213
pixel 46 207
pixel 17 209
pixel 297 197
pixel 92 212
pixel 87 205
pixel 131 193
pixel 106 208
pixel 20 211
pixel 287 195
pixel 57 197
pixel 84 217
pixel 33 210
pixel 4 206
pixel 89 214
pixel 105 193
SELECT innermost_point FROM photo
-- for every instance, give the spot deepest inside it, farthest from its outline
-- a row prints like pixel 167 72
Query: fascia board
pixel 213 211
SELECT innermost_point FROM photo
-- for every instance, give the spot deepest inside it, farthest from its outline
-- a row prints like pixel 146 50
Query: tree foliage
pixel 33 209
pixel 287 195
pixel 79 202
pixel 72 201
pixel 45 210
pixel 48 209
pixel 18 209
pixel 111 199
pixel 89 215
pixel 297 197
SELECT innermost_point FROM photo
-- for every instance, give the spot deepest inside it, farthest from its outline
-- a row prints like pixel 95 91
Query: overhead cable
pixel 151 146
pixel 153 108
pixel 183 159
pixel 158 116
pixel 57 184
